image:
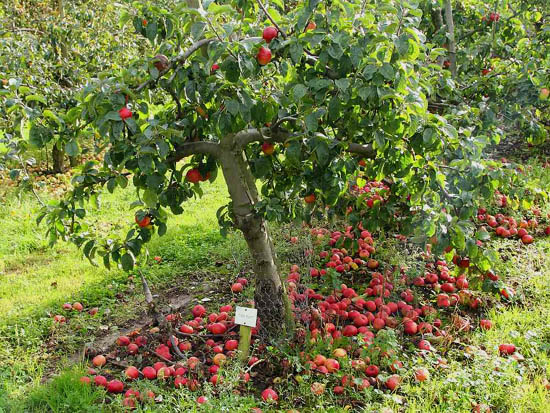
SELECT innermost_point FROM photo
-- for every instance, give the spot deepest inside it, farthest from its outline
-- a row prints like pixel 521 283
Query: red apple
pixel 269 395
pixel 237 287
pixel 485 324
pixel 268 148
pixel 422 374
pixel 99 361
pixel 149 373
pixel 144 222
pixel 132 373
pixel 193 176
pixel 115 386
pixel 161 62
pixel 100 380
pixel 393 382
pixel 125 113
pixel 372 371
pixel 263 56
pixel 506 349
pixel 122 341
pixel 270 33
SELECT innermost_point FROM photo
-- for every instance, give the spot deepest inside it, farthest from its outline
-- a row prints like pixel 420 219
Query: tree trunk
pixel 58 159
pixel 437 20
pixel 451 35
pixel 270 295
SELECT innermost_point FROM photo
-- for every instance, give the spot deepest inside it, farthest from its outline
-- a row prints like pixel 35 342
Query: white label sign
pixel 245 316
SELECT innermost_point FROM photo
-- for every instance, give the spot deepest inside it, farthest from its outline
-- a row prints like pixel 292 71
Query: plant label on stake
pixel 246 318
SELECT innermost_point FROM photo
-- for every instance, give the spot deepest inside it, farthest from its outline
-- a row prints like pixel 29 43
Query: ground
pixel 43 360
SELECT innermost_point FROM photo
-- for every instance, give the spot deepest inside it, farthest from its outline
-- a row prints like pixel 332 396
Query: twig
pixel 30 182
pixel 253 365
pixel 176 348
pixel 271 19
pixel 177 62
pixel 280 121
pixel 219 38
pixel 162 358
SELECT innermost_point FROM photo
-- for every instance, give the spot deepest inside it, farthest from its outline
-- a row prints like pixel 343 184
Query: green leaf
pixel 150 198
pixel 39 135
pixel 323 152
pixel 71 148
pixel 127 261
pixel 51 115
pixel 113 115
pixel 231 70
pixel 233 107
pixel 299 91
pixel 343 84
pixel 387 71
pixel 151 31
pixel 36 98
pixel 296 52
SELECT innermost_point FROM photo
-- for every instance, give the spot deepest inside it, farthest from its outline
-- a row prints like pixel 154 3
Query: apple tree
pixel 302 97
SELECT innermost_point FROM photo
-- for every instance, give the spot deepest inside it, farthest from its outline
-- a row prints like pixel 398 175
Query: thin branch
pixel 219 37
pixel 280 121
pixel 176 348
pixel 271 19
pixel 30 182
pixel 177 62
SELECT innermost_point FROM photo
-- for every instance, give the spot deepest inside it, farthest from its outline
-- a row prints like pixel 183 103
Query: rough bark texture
pixel 58 159
pixel 451 35
pixel 437 19
pixel 269 289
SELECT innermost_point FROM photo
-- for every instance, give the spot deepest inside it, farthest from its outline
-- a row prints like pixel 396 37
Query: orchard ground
pixel 43 360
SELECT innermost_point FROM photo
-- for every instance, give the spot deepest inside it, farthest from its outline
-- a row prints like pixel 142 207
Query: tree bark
pixel 58 159
pixel 437 20
pixel 451 35
pixel 269 295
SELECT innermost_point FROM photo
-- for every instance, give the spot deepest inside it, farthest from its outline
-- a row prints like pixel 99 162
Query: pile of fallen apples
pixel 424 309
pixel 343 304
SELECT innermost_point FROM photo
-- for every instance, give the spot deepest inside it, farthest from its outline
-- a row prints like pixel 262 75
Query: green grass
pixel 35 280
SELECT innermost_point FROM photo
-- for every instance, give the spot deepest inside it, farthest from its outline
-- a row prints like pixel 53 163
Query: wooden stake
pixel 245 334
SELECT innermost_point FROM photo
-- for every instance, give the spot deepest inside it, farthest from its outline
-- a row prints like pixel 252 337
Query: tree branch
pixel 451 35
pixel 271 19
pixel 247 136
pixel 177 62
pixel 193 148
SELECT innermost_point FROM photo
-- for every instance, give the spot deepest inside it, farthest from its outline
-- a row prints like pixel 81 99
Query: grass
pixel 35 280
pixel 33 348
